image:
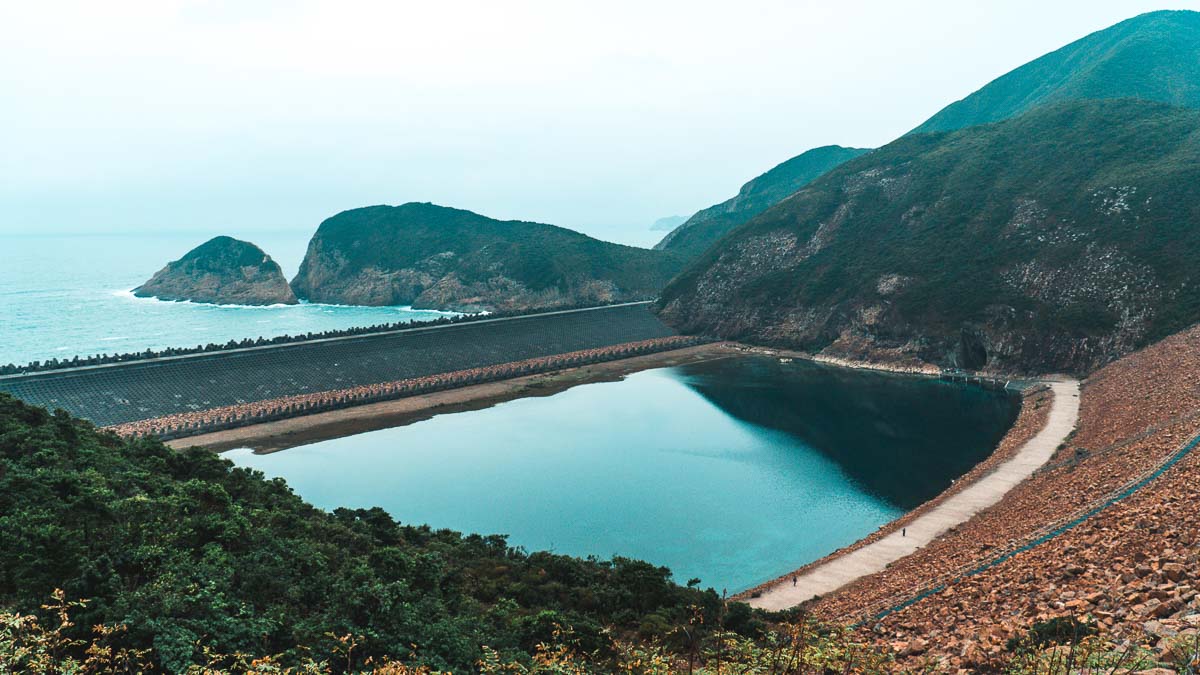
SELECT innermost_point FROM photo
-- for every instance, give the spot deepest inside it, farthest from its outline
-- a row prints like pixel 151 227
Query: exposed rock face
pixel 431 256
pixel 704 228
pixel 1058 240
pixel 223 271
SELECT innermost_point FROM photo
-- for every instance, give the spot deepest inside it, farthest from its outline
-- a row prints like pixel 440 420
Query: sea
pixel 63 295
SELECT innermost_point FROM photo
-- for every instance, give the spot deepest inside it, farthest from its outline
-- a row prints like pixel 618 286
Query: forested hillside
pixel 1153 57
pixel 437 257
pixel 705 227
pixel 1057 240
pixel 192 555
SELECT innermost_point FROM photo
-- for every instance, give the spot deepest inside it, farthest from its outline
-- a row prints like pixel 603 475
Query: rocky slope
pixel 1057 240
pixel 437 257
pixel 1154 57
pixel 704 228
pixel 222 270
pixel 1131 569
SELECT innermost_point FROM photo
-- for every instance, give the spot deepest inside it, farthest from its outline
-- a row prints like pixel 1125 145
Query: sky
pixel 242 116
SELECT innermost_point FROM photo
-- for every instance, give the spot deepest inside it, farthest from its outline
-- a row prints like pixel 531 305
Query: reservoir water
pixel 732 471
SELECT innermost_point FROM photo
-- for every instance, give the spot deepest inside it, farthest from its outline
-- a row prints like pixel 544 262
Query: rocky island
pixel 222 271
pixel 436 257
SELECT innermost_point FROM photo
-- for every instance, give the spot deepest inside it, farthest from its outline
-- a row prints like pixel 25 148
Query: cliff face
pixel 1058 240
pixel 705 227
pixel 431 256
pixel 224 271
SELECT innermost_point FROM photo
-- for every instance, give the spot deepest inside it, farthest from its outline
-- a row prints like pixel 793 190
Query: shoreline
pixel 1031 418
pixel 1001 473
pixel 279 435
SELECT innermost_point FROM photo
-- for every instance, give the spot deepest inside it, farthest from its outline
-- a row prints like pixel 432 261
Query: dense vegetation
pixel 704 228
pixel 189 553
pixel 433 256
pixel 1152 57
pixel 1056 240
pixel 177 561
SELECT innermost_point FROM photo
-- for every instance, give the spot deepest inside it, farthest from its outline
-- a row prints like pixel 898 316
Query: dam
pixel 121 393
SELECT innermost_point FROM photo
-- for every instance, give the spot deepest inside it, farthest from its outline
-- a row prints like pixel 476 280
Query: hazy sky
pixel 244 115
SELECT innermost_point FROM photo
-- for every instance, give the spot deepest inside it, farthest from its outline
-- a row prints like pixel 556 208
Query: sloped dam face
pixel 734 471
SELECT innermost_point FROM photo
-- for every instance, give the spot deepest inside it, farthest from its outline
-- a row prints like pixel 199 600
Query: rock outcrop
pixel 436 257
pixel 223 271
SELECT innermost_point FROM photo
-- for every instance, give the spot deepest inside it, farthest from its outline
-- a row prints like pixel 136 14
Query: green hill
pixel 437 257
pixel 1056 240
pixel 1155 57
pixel 704 228
pixel 190 554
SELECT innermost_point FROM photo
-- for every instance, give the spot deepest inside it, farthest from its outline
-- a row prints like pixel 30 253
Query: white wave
pixel 128 293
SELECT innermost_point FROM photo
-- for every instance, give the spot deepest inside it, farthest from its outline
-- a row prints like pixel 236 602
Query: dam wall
pixel 122 393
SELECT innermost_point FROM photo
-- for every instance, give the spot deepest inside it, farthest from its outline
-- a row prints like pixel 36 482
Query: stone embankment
pixel 228 417
pixel 1097 534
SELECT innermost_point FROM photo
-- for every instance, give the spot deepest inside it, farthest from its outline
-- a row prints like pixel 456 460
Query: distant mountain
pixel 222 270
pixel 1155 57
pixel 667 224
pixel 1057 240
pixel 433 256
pixel 705 227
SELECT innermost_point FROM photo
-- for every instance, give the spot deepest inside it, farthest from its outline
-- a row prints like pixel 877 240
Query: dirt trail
pixel 957 509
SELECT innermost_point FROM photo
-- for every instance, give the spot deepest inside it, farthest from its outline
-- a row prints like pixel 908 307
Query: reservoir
pixel 732 471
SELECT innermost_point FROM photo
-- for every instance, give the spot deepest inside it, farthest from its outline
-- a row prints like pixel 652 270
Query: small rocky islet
pixel 223 271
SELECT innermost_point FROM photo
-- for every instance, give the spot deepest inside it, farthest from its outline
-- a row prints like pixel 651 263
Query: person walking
pixel 794 580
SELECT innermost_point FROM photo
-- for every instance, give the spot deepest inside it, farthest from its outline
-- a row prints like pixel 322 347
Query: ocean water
pixel 733 471
pixel 67 295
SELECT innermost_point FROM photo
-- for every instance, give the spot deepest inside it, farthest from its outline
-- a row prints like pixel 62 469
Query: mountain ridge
pixel 708 225
pixel 1057 240
pixel 1144 57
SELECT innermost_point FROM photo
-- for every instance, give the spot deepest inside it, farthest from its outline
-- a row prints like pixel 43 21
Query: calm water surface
pixel 733 471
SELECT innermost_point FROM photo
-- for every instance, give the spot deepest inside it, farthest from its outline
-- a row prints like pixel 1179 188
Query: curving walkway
pixel 958 508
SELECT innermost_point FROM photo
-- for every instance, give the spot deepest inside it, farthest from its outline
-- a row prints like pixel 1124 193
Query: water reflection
pixel 732 471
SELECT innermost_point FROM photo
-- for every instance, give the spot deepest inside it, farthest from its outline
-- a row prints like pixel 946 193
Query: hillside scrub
pixel 1055 241
pixel 187 553
pixel 431 256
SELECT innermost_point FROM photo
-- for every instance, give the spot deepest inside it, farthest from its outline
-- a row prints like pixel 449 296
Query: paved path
pixel 954 510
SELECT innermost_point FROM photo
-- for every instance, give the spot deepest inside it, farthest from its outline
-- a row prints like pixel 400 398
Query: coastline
pixel 280 435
